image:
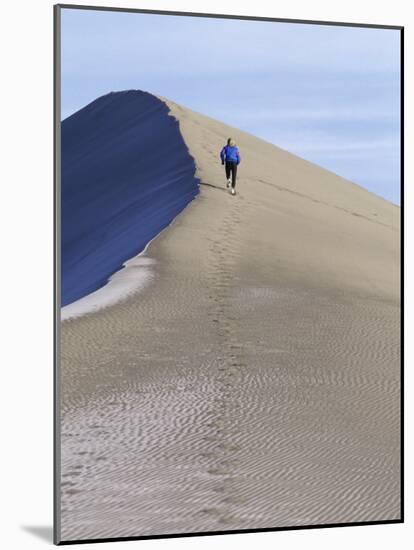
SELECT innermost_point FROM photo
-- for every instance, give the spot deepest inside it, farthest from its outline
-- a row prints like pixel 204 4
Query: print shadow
pixel 44 532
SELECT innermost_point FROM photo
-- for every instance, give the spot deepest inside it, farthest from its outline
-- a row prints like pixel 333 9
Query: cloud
pixel 317 114
pixel 329 144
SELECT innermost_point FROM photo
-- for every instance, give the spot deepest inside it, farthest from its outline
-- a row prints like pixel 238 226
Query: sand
pixel 254 381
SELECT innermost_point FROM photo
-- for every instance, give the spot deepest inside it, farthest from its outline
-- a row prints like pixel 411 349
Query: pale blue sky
pixel 326 93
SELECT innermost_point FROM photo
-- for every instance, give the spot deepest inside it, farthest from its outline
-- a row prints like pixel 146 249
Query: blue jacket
pixel 230 154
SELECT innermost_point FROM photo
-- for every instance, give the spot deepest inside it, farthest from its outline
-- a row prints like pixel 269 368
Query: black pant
pixel 231 168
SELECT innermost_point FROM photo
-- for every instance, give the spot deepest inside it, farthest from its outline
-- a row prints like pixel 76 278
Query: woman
pixel 230 156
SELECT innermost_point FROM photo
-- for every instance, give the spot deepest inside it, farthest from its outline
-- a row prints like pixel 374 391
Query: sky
pixel 328 94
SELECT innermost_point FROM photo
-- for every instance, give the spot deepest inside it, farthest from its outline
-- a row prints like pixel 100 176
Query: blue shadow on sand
pixel 126 174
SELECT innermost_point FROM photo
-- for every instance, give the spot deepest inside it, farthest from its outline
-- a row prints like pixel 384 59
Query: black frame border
pixel 56 269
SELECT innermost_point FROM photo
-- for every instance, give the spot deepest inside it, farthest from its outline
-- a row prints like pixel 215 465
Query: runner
pixel 230 157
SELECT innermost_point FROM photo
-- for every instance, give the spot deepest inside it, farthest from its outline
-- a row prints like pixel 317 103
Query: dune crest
pixel 126 174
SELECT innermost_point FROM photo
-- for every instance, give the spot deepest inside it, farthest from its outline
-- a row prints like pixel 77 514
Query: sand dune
pixel 254 382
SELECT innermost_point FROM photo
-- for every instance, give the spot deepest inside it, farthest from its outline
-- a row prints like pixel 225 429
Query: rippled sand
pixel 255 381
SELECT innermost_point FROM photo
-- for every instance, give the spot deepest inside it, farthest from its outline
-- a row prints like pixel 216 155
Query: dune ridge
pixel 126 174
pixel 255 381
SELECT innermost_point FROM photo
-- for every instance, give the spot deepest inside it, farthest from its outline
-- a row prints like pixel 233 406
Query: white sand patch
pixel 135 274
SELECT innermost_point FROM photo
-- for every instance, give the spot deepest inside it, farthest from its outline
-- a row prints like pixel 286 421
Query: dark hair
pixel 228 141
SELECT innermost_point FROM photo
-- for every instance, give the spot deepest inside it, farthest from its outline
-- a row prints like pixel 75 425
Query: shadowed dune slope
pixel 126 173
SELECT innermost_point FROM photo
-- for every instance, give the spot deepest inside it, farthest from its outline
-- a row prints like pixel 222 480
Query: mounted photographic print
pixel 228 274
